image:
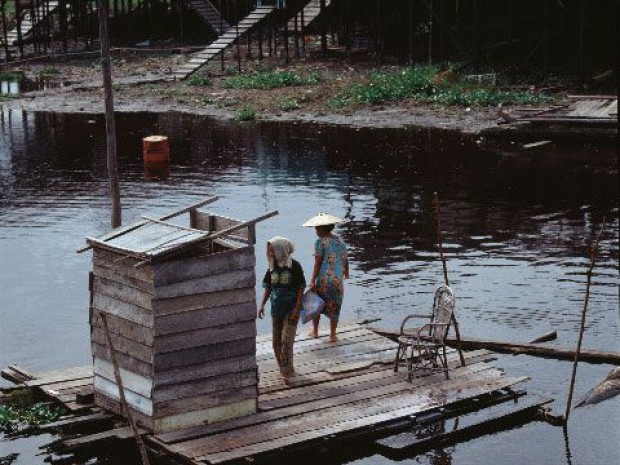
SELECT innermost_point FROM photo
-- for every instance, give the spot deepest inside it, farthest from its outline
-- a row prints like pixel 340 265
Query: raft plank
pixel 474 422
pixel 314 425
pixel 122 292
pixel 113 275
pixel 128 329
pixel 202 301
pixel 176 271
pixel 58 376
pixel 237 279
pixel 199 402
pixel 123 345
pixel 205 318
pixel 204 337
pixel 128 311
pixel 125 361
pixel 205 385
pixel 123 265
pixel 204 354
pixel 206 370
pixel 132 381
pixel 329 399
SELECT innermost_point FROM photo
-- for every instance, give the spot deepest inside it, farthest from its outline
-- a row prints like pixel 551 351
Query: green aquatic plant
pixel 20 409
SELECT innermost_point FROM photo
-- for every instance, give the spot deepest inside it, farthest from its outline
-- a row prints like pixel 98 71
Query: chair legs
pixel 421 357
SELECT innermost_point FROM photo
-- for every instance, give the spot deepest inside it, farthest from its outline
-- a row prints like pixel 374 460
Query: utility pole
pixel 110 125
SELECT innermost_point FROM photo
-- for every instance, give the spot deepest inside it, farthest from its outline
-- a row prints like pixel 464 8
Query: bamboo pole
pixel 593 255
pixel 106 71
pixel 445 276
pixel 121 389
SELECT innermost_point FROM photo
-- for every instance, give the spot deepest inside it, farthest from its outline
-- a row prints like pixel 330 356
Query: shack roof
pixel 148 238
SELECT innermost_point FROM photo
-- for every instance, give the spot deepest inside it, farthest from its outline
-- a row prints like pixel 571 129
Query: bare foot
pixel 313 334
pixel 333 338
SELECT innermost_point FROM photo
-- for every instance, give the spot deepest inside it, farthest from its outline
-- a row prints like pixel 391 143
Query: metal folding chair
pixel 424 347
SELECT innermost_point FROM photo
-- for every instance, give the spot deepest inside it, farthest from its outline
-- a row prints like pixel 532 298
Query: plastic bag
pixel 311 305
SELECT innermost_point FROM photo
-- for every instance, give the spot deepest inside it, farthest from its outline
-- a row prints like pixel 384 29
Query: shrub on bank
pixel 246 114
pixel 427 84
pixel 271 80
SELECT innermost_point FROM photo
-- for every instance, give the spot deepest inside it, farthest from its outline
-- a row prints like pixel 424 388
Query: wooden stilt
pixel 445 275
pixel 593 255
pixel 106 70
pixel 121 390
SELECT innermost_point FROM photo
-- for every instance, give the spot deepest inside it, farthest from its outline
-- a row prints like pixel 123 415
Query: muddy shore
pixel 75 87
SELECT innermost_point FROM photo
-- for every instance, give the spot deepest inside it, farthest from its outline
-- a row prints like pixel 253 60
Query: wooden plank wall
pixel 184 333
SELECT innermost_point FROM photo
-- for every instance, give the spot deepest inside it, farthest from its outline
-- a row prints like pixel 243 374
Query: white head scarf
pixel 282 248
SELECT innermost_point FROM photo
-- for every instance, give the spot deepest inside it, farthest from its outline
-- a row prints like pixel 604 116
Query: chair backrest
pixel 443 308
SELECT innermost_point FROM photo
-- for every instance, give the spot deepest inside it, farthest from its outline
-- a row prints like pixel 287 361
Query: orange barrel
pixel 156 152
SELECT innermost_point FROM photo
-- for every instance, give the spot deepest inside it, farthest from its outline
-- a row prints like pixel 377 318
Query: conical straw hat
pixel 322 219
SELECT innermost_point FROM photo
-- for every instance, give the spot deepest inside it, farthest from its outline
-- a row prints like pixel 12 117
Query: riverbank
pixel 333 92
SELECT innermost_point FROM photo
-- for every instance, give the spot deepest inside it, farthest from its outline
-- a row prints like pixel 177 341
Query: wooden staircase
pixel 201 58
pixel 43 11
pixel 311 11
pixel 210 15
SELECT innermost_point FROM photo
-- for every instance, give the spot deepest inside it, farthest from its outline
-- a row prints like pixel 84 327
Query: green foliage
pixel 49 72
pixel 199 81
pixel 288 104
pixel 14 416
pixel 419 83
pixel 272 80
pixel 11 76
pixel 246 114
pixel 337 102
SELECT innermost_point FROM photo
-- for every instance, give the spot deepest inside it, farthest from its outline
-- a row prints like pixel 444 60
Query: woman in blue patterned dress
pixel 331 268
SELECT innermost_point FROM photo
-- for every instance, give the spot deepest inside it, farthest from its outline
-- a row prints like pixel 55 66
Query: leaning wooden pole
pixel 121 390
pixel 593 254
pixel 445 277
pixel 110 124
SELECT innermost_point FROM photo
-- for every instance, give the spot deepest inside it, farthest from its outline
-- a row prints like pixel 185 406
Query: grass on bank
pixel 246 114
pixel 272 79
pixel 428 84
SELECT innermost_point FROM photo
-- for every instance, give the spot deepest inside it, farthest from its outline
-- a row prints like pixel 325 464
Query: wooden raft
pixel 343 389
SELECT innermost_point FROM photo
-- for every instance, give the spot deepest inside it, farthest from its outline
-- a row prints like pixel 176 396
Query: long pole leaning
pixel 110 124
pixel 593 255
pixel 121 391
pixel 445 277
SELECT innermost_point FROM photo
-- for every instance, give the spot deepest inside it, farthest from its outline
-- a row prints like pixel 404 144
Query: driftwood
pixel 536 350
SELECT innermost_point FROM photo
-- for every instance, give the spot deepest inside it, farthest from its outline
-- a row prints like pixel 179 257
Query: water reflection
pixel 516 231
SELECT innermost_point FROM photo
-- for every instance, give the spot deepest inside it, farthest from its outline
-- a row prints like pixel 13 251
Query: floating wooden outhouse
pixel 180 306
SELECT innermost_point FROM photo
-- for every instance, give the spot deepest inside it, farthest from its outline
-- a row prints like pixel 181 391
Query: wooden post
pixel 303 33
pixel 323 29
pixel 106 71
pixel 221 33
pixel 581 41
pixel 409 31
pixel 119 382
pixel 430 33
pixel 593 254
pixel 237 34
pixel 7 54
pixel 445 276
pixel 20 44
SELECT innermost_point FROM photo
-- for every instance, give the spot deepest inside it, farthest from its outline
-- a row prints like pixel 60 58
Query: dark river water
pixel 516 233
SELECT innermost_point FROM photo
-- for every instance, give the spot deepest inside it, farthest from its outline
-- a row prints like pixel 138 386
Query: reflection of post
pixel 110 125
pixel 593 254
pixel 445 276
